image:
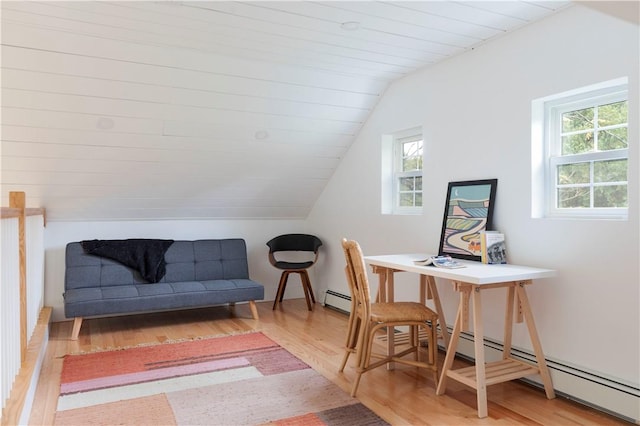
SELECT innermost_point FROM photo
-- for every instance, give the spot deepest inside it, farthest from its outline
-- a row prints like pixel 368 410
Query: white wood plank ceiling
pixel 209 109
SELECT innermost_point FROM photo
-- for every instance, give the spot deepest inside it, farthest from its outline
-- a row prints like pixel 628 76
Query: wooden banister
pixel 17 200
pixel 8 212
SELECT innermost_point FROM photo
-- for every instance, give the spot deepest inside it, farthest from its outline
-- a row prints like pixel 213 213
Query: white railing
pixel 35 269
pixel 10 357
pixel 21 286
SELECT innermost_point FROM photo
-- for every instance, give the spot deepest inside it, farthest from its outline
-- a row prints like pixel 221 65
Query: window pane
pixel 406 184
pixel 406 199
pixel 412 156
pixel 418 199
pixel 418 183
pixel 577 120
pixel 411 149
pixel 612 139
pixel 610 171
pixel 412 163
pixel 573 197
pixel 573 173
pixel 610 196
pixel 577 144
pixel 611 114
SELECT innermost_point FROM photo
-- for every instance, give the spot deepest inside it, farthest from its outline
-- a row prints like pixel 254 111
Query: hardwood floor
pixel 401 397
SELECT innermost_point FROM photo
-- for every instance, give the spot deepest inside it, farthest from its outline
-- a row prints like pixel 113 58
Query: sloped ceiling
pixel 209 109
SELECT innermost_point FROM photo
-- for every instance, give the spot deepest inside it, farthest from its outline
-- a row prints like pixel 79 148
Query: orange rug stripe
pixel 153 410
pixel 305 420
pixel 100 364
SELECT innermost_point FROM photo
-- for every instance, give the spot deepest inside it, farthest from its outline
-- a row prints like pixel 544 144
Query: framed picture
pixel 467 212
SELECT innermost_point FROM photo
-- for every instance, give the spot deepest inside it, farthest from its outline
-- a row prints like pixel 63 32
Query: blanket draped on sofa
pixel 144 255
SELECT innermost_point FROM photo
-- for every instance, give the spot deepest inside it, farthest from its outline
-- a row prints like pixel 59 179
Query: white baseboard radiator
pixel 338 301
pixel 586 387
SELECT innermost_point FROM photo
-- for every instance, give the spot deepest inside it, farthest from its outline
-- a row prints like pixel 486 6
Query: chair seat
pixel 401 311
pixel 292 265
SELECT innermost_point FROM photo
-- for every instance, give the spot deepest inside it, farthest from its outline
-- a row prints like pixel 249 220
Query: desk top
pixel 474 273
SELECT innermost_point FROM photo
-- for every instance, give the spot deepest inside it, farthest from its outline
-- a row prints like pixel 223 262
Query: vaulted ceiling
pixel 209 109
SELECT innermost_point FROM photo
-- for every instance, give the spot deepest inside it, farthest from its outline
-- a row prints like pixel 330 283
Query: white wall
pixel 475 110
pixel 255 232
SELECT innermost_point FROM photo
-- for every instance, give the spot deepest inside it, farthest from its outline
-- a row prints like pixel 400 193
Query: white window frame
pixel 388 157
pixel 549 111
pixel 398 141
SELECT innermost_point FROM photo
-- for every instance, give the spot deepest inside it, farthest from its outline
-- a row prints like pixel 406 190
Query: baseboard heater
pixel 611 396
pixel 337 301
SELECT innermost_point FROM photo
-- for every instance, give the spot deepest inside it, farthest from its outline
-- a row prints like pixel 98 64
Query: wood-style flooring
pixel 403 396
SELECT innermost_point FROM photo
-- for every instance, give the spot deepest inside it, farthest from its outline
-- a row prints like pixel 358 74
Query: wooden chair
pixel 369 318
pixel 298 243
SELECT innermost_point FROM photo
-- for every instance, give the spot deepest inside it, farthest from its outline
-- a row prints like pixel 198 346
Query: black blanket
pixel 144 255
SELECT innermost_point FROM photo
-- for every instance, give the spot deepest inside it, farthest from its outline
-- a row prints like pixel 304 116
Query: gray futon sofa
pixel 198 273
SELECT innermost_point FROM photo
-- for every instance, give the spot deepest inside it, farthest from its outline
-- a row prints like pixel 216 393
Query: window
pixel 586 153
pixel 402 158
pixel 407 172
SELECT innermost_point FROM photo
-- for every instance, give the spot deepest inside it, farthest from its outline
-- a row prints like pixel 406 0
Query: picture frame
pixel 468 211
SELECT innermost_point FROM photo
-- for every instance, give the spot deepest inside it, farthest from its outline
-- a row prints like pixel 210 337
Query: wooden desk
pixel 469 282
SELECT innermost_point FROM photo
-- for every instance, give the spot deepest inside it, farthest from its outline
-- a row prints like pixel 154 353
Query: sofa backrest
pixel 198 260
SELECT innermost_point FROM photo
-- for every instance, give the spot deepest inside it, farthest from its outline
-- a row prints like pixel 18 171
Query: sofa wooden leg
pixel 77 323
pixel 254 309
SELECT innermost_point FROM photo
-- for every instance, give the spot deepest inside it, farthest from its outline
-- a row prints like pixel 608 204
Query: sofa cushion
pixel 121 299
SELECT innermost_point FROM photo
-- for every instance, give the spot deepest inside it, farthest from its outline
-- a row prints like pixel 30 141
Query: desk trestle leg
pixel 484 374
pixel 535 341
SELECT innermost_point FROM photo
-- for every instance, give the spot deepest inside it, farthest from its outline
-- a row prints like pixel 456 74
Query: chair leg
pixel 414 340
pixel 306 291
pixel 356 383
pixel 281 286
pixel 361 354
pixel 361 368
pixel 307 283
pixel 433 351
pixel 352 338
pixel 284 284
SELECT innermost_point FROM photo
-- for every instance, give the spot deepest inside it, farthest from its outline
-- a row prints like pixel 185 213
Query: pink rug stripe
pixel 257 401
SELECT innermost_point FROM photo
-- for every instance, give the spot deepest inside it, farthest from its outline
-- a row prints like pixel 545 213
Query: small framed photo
pixel 468 211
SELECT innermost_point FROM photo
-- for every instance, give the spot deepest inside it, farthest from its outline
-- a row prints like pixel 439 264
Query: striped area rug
pixel 245 379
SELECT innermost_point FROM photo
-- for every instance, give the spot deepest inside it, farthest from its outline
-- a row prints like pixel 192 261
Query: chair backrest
pixel 356 269
pixel 297 249
pixel 349 272
pixel 294 242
